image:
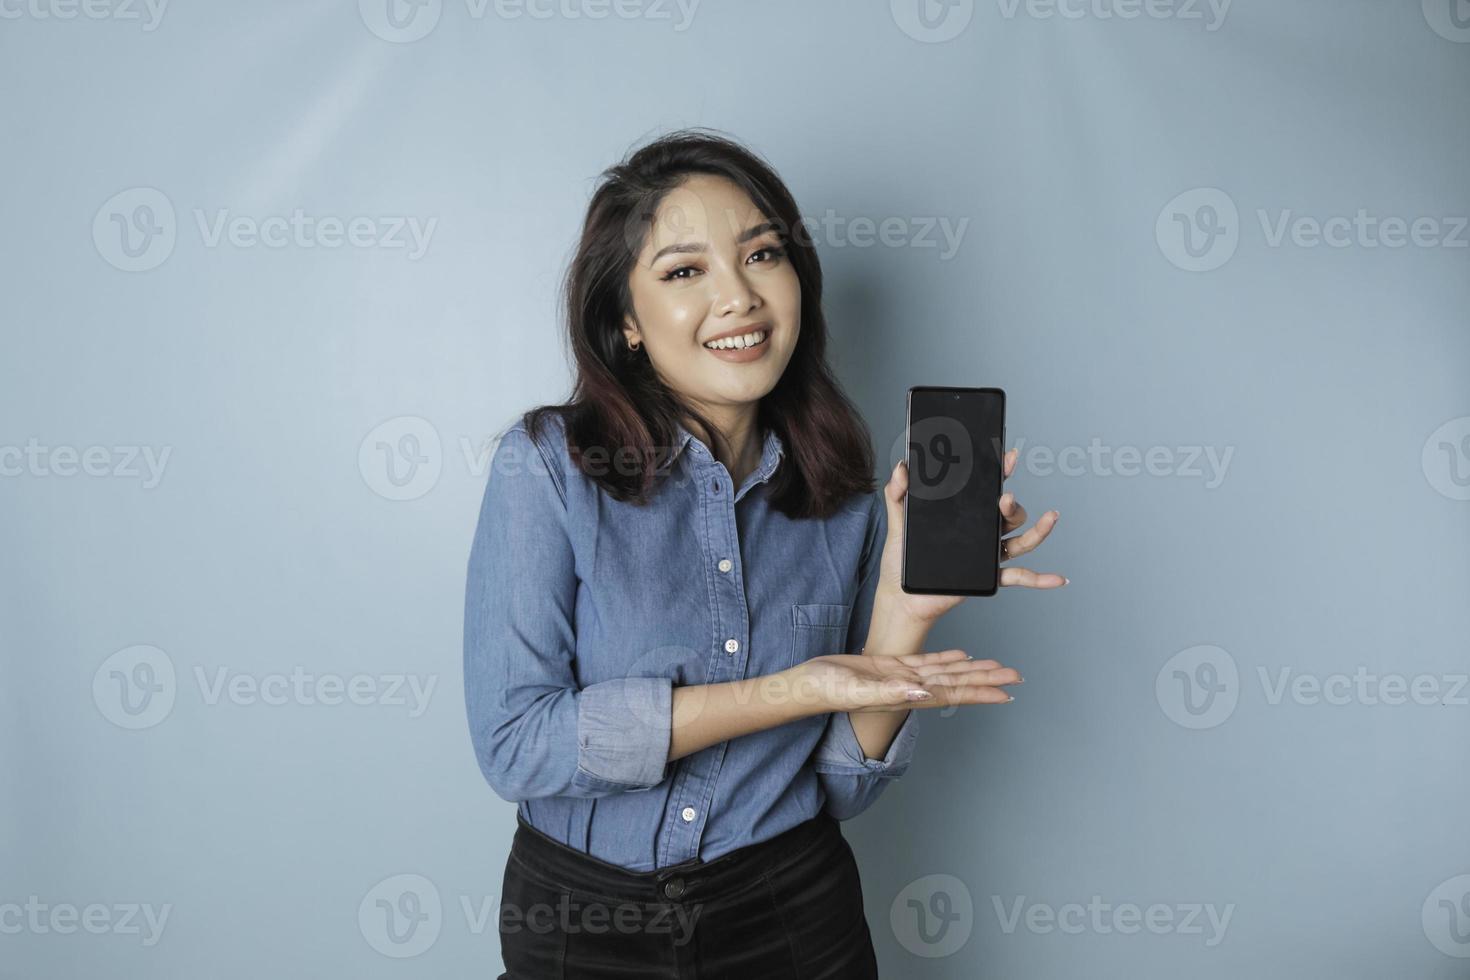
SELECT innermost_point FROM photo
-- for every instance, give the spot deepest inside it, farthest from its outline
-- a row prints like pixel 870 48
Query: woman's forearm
pixel 892 634
pixel 704 714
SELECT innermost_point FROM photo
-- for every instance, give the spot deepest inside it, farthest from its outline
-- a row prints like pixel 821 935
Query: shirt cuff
pixel 623 730
pixel 841 754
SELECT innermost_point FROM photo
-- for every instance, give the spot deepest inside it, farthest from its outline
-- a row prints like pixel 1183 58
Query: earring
pixel 634 347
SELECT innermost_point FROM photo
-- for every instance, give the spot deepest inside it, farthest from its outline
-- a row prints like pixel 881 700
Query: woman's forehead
pixel 702 209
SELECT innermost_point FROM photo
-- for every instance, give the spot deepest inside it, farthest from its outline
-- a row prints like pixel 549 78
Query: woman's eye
pixel 773 252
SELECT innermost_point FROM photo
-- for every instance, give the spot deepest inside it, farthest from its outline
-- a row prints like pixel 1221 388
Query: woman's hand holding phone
pixel 926 609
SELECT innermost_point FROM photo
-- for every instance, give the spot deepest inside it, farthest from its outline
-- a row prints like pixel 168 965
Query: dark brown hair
pixel 618 402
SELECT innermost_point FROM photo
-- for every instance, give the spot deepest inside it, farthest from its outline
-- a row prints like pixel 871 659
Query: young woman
pixel 687 655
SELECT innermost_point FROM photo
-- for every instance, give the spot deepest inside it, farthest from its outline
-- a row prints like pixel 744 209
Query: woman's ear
pixel 631 334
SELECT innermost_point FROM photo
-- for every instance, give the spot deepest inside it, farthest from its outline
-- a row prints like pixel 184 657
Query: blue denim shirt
pixel 582 613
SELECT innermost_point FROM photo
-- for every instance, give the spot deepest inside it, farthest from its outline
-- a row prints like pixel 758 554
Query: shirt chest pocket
pixel 818 629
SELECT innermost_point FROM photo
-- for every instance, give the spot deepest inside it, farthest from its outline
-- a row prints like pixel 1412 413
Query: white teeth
pixel 738 343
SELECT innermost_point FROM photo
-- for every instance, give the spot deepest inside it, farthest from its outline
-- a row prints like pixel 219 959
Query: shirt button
pixel 726 564
pixel 731 645
pixel 687 813
pixel 674 887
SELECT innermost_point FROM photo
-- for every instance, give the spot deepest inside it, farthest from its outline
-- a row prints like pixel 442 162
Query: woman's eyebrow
pixel 680 248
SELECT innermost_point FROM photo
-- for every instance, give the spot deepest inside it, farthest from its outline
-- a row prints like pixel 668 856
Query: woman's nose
pixel 735 294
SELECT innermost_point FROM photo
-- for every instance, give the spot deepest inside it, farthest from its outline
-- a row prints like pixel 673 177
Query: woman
pixel 687 655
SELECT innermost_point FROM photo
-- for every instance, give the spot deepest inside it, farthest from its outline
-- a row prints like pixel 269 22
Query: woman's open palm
pixel 877 682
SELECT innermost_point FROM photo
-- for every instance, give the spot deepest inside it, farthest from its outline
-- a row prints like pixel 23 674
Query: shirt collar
pixel 772 450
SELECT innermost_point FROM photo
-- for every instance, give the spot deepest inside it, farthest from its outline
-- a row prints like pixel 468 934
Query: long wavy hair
pixel 618 402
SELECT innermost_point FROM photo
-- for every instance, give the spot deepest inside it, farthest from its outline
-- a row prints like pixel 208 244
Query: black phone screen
pixel 952 512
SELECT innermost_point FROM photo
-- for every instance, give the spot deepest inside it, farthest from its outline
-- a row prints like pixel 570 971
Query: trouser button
pixel 674 887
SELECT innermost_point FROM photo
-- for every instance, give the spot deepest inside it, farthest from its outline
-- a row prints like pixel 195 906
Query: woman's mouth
pixel 743 347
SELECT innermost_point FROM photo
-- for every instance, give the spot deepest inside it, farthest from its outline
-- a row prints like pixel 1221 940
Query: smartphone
pixel 952 524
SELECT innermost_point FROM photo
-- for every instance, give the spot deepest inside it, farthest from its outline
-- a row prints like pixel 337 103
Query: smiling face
pixel 714 265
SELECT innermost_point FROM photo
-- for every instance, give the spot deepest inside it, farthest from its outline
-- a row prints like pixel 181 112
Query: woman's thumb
pixel 893 494
pixel 909 686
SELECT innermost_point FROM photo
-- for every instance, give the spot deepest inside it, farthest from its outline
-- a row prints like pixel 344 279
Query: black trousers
pixel 788 908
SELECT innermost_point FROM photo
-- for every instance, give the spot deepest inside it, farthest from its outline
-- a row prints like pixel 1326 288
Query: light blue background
pixel 1335 539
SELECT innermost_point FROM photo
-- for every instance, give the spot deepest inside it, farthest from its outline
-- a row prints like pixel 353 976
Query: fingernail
pixel 1066 581
pixel 968 657
pixel 1009 700
pixel 919 695
pixel 1020 680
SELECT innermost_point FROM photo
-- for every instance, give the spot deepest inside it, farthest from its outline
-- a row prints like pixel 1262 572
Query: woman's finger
pixel 963 668
pixel 957 668
pixel 894 491
pixel 1014 547
pixel 942 657
pixel 1014 575
pixel 1012 511
pixel 1010 464
pixel 961 678
pixel 969 694
pixel 977 694
pixel 916 661
pixel 940 697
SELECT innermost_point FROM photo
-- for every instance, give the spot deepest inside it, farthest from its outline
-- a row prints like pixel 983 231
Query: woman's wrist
pixel 893 630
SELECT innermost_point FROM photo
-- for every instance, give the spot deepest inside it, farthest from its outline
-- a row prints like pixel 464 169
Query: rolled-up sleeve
pixel 535 732
pixel 850 780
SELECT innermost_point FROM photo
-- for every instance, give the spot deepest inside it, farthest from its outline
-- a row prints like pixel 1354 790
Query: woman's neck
pixel 740 447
